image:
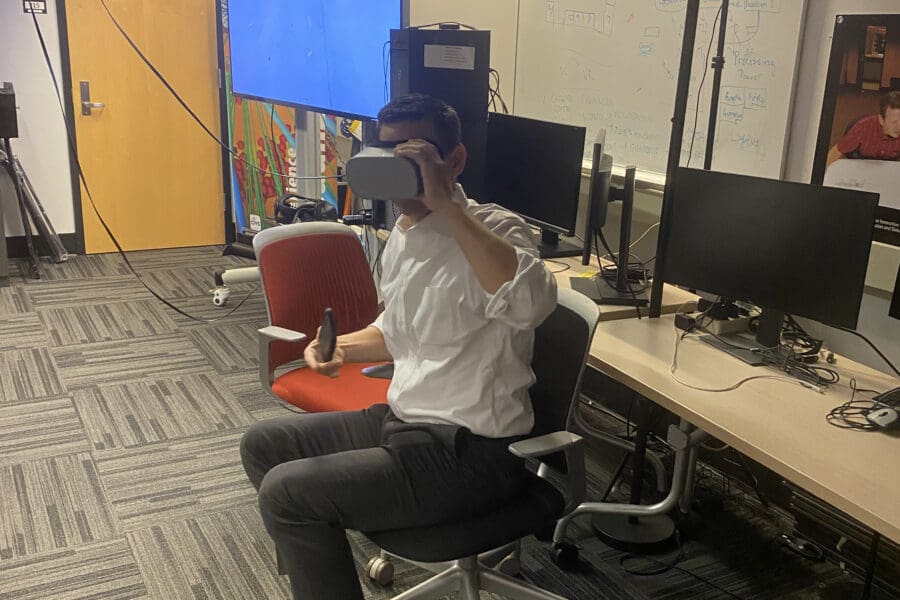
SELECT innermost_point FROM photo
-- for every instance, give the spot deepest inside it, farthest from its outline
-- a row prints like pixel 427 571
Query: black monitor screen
pixel 534 168
pixel 801 249
pixel 326 56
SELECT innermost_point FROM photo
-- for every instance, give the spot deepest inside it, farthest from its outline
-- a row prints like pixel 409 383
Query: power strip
pixel 726 326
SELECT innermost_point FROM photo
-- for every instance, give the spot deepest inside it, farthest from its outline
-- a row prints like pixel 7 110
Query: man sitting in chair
pixel 464 289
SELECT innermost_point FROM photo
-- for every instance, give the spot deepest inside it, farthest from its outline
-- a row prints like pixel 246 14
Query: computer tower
pixel 9 127
pixel 451 64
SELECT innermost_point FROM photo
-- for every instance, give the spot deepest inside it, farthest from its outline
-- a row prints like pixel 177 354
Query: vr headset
pixel 375 173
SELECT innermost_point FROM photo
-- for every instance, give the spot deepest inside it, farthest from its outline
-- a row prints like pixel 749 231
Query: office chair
pixel 463 553
pixel 306 268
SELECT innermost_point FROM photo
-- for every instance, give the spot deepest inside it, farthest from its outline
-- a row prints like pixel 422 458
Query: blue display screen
pixel 329 56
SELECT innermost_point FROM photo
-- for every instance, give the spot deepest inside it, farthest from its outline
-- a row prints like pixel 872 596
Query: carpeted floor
pixel 119 468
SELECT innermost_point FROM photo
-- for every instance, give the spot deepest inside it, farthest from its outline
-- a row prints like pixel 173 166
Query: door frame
pixel 65 60
pixel 72 139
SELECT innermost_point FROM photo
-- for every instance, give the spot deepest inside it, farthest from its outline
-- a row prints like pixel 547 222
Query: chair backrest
pixel 308 267
pixel 561 346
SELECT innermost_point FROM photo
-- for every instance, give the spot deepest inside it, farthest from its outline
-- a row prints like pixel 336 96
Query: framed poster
pixel 858 144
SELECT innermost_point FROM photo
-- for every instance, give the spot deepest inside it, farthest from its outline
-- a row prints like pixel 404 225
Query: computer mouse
pixel 882 417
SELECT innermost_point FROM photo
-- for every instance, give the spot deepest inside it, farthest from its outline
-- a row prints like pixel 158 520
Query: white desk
pixel 674 299
pixel 779 424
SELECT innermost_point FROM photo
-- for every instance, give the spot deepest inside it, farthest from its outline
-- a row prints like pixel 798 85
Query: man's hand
pixel 314 359
pixel 438 175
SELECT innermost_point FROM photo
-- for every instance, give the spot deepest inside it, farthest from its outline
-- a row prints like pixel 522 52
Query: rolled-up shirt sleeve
pixel 530 296
pixel 526 300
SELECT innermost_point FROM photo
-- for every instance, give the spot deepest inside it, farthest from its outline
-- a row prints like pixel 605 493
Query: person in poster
pixel 874 136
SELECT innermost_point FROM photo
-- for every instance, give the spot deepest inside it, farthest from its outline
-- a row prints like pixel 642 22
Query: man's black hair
pixel 420 107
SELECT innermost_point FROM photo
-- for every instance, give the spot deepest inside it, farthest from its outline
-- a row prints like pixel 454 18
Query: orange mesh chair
pixel 306 268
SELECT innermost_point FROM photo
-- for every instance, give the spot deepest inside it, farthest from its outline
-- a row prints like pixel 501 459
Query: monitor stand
pixel 605 293
pixel 552 246
pixel 618 292
pixel 738 346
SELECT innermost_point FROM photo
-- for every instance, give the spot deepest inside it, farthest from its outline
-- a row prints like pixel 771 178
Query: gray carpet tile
pixel 85 291
pixel 82 267
pixel 224 555
pixel 28 374
pixel 252 311
pixel 230 348
pixel 21 331
pixel 104 570
pixel 106 363
pixel 175 480
pixel 201 256
pixel 258 402
pixel 31 430
pixel 144 412
pixel 188 282
pixel 52 503
pixel 14 300
pixel 89 323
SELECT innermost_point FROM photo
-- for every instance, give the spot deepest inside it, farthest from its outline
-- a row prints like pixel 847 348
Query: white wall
pixel 41 146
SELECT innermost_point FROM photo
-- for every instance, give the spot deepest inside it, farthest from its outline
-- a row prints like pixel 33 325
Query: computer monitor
pixel 330 57
pixel 895 302
pixel 786 247
pixel 534 168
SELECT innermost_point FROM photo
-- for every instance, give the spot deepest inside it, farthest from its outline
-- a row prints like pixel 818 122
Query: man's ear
pixel 457 159
pixel 881 120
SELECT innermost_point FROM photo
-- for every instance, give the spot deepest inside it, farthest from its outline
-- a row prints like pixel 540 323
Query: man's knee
pixel 254 442
pixel 289 494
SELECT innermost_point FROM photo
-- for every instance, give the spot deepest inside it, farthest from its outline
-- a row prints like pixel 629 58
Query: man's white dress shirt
pixel 462 356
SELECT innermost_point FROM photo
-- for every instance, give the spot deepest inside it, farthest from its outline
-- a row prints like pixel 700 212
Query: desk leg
pixel 870 570
pixel 681 438
pixel 636 533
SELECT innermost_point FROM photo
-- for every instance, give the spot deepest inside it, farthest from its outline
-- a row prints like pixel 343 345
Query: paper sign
pixel 34 6
pixel 450 57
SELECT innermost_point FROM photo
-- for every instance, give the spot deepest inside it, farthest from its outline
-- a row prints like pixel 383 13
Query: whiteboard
pixel 613 65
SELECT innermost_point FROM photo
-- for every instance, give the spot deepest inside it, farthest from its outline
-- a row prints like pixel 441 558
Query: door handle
pixel 86 105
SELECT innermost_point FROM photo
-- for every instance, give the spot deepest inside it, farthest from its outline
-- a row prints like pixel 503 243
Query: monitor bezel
pixel 666 250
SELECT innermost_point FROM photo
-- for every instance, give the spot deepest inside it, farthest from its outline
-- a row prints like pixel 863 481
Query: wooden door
pixel 156 177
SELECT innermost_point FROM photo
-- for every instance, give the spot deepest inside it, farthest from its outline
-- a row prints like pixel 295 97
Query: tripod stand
pixel 32 213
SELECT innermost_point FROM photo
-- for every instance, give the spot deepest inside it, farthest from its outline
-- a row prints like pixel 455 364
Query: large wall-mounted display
pixel 330 57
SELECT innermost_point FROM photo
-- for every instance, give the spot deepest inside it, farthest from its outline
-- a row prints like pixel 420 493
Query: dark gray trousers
pixel 321 473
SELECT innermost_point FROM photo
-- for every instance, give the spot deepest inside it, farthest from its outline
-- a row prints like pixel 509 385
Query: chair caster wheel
pixel 564 555
pixel 510 566
pixel 380 570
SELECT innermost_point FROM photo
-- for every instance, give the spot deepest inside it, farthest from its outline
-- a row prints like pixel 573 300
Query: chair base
pixel 467 577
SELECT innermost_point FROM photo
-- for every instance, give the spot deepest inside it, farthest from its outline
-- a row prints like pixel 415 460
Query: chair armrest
pixel 267 335
pixel 574 480
pixel 273 332
pixel 545 444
